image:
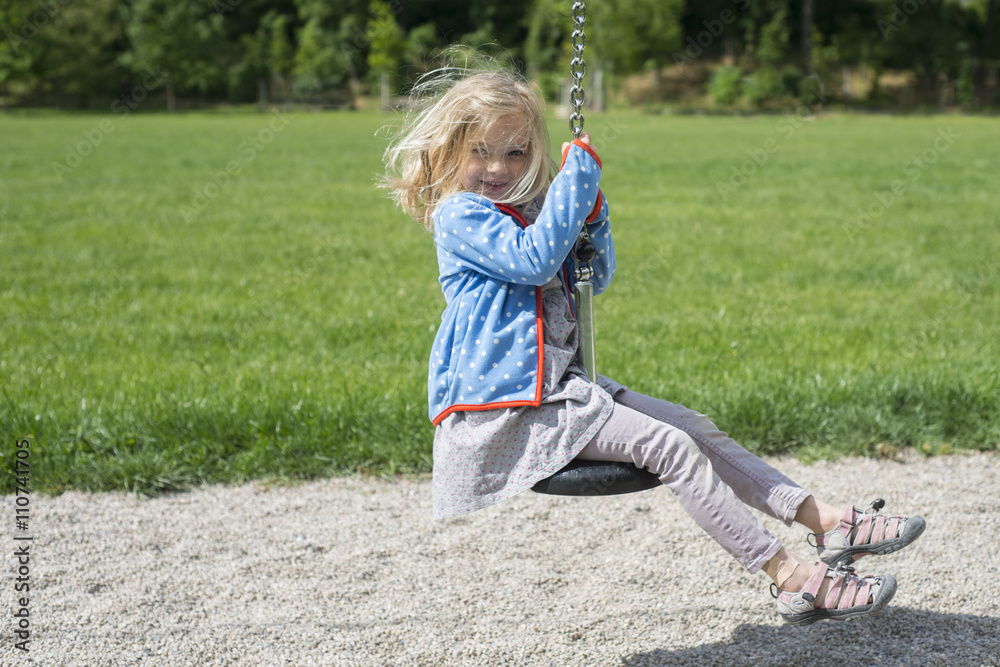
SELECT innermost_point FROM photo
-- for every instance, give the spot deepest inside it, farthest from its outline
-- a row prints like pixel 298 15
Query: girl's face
pixel 496 162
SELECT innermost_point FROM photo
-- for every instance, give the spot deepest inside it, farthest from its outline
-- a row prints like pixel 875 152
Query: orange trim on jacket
pixel 517 215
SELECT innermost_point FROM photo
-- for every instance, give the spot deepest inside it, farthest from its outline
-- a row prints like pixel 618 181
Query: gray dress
pixel 481 458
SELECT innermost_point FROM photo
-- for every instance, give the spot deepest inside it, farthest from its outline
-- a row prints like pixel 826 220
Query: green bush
pixel 762 85
pixel 790 78
pixel 811 91
pixel 724 86
pixel 965 87
pixel 548 83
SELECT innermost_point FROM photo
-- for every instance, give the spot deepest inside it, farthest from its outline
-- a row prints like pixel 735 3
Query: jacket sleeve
pixel 599 229
pixel 604 262
pixel 471 233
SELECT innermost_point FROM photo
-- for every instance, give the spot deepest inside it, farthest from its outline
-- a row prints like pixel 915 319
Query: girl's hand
pixel 585 138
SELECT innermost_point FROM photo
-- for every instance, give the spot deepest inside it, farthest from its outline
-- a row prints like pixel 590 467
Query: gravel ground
pixel 354 572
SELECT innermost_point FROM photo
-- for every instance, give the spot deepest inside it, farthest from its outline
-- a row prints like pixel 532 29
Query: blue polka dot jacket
pixel 488 351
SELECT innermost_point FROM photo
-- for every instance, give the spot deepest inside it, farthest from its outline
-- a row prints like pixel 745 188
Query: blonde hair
pixel 424 164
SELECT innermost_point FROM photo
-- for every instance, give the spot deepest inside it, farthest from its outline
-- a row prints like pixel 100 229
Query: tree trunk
pixel 728 52
pixel 988 62
pixel 383 92
pixel 807 34
pixel 845 85
pixel 286 89
pixel 907 97
pixel 991 18
pixel 597 83
pixel 171 98
pixel 355 83
pixel 262 94
pixel 944 91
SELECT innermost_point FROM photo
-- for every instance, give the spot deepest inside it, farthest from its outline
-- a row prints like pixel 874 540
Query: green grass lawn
pixel 166 322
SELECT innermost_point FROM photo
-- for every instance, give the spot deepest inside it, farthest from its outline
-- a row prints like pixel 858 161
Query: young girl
pixel 507 393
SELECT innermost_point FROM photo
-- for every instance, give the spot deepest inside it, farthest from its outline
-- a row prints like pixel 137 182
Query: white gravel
pixel 354 572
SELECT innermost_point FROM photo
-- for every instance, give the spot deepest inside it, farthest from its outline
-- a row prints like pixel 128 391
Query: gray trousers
pixel 713 478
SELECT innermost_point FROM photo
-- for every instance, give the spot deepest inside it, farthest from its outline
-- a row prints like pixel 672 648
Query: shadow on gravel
pixel 896 637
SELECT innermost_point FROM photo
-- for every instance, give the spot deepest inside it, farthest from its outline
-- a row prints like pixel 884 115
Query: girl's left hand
pixel 585 138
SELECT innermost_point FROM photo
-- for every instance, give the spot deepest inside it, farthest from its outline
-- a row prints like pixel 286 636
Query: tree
pixel 60 47
pixel 317 60
pixel 987 52
pixel 852 38
pixel 504 22
pixel 991 20
pixel 933 39
pixel 807 33
pixel 764 82
pixel 78 48
pixel 268 55
pixel 19 49
pixel 387 44
pixel 630 33
pixel 182 38
pixel 549 25
pixel 332 45
pixel 421 44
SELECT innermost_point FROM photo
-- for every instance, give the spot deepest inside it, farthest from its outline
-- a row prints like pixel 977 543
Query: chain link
pixel 578 67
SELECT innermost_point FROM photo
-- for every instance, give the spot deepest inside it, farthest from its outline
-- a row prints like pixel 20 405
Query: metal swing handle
pixel 584 251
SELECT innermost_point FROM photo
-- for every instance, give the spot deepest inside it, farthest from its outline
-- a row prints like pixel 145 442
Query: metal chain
pixel 584 250
pixel 578 68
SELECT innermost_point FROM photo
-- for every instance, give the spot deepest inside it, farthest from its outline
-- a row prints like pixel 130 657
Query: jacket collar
pixel 514 213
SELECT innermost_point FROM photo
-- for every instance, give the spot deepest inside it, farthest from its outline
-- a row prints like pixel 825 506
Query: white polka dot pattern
pixel 481 458
pixel 491 268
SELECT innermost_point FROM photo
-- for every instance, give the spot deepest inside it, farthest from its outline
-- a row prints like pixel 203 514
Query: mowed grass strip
pixel 224 297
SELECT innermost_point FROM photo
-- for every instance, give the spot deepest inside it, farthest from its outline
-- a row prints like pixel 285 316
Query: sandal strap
pixel 835 596
pixel 848 589
pixel 865 530
pixel 845 527
pixel 862 527
pixel 815 580
pixel 891 526
pixel 874 528
pixel 850 593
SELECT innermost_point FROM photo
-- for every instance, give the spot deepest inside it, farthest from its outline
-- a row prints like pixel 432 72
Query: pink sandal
pixel 861 533
pixel 846 600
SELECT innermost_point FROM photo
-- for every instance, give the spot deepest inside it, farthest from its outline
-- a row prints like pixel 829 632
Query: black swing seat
pixel 597 478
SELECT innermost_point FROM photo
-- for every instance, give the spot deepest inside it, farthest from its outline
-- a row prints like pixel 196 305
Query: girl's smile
pixel 496 163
